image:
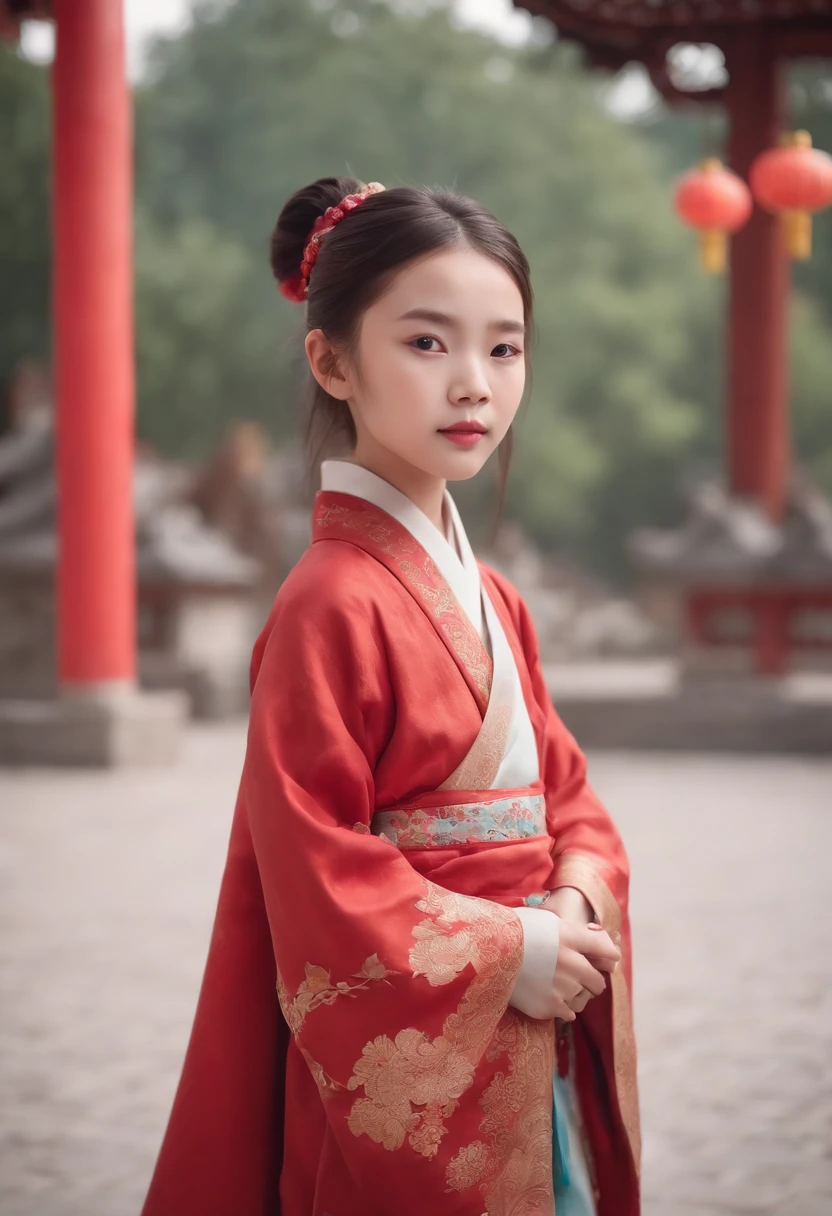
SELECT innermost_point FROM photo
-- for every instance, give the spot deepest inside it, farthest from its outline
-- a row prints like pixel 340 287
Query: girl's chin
pixel 456 464
pixel 459 466
pixel 462 465
pixel 463 470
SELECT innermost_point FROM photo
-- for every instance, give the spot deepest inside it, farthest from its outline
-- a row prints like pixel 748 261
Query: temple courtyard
pixel 107 888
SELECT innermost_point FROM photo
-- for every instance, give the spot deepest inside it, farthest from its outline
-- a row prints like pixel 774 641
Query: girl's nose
pixel 471 388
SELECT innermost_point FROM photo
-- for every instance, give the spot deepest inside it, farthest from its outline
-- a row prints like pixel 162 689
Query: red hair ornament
pixel 296 288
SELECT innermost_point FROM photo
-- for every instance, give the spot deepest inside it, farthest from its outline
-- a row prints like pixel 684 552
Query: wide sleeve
pixel 394 989
pixel 587 849
pixel 588 853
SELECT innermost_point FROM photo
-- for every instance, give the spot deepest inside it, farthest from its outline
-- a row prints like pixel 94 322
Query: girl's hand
pixel 570 904
pixel 556 971
pixel 585 952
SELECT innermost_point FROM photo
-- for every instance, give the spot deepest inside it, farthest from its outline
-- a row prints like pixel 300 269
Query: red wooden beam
pixel 811 42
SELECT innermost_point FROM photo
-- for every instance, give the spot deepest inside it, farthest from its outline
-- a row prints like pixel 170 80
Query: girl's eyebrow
pixel 441 318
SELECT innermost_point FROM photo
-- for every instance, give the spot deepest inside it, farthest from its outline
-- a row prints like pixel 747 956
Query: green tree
pixel 24 213
pixel 257 99
pixel 261 96
pixel 202 353
pixel 811 364
pixel 810 106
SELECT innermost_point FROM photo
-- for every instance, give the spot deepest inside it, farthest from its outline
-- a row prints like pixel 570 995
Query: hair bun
pixel 295 224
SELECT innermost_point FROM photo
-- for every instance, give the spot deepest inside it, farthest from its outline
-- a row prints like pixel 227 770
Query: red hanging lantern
pixel 717 202
pixel 793 181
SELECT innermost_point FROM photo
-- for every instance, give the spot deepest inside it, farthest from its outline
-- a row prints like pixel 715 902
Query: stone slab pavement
pixel 107 890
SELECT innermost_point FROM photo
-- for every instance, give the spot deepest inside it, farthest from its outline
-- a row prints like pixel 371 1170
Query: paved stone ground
pixel 107 890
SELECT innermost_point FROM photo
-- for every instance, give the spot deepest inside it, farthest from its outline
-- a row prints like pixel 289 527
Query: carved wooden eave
pixel 614 33
pixel 12 12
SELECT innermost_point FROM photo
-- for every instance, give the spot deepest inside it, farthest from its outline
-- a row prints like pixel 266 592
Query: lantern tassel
pixel 797 233
pixel 712 250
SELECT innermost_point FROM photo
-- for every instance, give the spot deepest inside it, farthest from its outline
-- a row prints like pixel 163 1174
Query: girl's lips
pixel 464 439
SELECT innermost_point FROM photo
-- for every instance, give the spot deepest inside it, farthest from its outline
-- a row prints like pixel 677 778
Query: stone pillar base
pixel 716 719
pixel 101 728
pixel 701 663
pixel 733 688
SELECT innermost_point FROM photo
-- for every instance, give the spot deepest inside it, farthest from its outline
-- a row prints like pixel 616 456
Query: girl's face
pixel 440 368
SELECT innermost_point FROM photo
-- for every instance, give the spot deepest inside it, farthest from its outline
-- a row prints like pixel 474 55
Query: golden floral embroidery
pixel 513 1164
pixel 325 1083
pixel 318 989
pixel 412 1084
pixel 285 1001
pixel 361 828
pixel 468 1166
pixel 365 522
pixel 441 599
pixel 479 768
pixel 397 1075
pixel 579 870
pixel 440 956
pixel 427 1137
pixel 472 652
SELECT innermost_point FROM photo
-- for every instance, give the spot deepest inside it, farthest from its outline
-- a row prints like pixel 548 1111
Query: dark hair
pixel 360 256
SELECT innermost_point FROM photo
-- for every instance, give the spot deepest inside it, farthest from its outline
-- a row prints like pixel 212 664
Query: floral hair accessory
pixel 296 288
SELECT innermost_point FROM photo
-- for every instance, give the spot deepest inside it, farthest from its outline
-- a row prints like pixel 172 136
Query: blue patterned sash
pixel 512 817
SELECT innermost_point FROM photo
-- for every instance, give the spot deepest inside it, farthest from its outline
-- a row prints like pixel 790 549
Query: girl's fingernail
pixel 594 925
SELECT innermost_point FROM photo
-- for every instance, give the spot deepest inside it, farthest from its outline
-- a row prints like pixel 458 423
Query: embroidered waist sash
pixel 495 816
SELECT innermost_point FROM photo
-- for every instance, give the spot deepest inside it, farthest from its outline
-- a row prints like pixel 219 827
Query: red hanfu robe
pixel 354 1050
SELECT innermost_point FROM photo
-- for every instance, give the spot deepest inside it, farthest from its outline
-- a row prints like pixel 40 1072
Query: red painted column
pixel 93 332
pixel 757 377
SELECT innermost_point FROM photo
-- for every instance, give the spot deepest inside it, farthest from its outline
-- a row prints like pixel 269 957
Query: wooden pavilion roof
pixel 615 32
pixel 12 12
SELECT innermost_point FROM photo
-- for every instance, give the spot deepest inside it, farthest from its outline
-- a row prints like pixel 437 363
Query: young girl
pixel 416 998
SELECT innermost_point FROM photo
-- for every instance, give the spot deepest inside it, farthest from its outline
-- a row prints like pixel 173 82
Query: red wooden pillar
pixel 757 411
pixel 93 330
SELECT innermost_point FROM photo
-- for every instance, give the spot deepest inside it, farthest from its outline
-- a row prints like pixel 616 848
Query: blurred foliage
pixel 262 96
pixel 257 100
pixel 810 100
pixel 24 215
pixel 203 357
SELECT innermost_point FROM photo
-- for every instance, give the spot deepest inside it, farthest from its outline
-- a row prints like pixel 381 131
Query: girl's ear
pixel 323 362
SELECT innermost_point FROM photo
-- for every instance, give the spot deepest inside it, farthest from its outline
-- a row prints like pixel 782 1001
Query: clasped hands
pixel 586 953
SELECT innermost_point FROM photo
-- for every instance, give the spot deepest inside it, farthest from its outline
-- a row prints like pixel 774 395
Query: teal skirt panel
pixel 573 1188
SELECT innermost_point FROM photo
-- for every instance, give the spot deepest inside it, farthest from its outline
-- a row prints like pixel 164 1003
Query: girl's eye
pixel 425 343
pixel 505 350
